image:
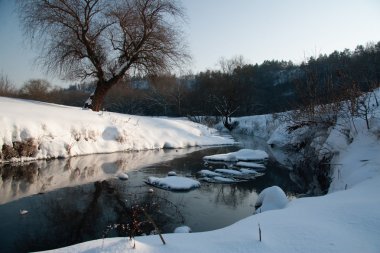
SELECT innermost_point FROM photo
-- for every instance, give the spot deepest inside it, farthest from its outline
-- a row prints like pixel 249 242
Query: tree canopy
pixel 105 40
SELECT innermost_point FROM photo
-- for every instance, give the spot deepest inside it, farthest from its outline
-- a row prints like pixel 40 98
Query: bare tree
pixel 228 66
pixel 7 88
pixel 226 107
pixel 104 40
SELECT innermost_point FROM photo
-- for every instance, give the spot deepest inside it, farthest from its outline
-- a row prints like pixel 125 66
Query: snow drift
pixel 271 198
pixel 37 130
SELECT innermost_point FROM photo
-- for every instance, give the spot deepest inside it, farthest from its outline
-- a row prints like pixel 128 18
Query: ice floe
pixel 221 180
pixel 252 165
pixel 173 183
pixel 208 173
pixel 229 172
pixel 241 155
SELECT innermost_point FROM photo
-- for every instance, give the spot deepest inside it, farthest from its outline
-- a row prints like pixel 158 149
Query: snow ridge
pixel 63 131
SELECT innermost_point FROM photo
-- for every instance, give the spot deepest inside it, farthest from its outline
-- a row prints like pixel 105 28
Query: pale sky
pixel 256 29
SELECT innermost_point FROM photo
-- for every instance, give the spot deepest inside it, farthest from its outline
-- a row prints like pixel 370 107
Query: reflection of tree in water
pixel 230 195
pixel 163 211
pixel 83 213
pixel 18 178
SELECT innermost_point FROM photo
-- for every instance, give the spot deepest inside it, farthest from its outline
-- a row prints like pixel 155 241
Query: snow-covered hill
pixel 36 130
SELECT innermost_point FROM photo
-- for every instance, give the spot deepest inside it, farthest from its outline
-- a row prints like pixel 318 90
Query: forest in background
pixel 236 89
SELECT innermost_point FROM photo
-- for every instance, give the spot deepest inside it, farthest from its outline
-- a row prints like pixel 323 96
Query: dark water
pixel 74 200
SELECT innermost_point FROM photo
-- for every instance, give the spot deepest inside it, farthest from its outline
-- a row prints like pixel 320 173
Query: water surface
pixel 74 200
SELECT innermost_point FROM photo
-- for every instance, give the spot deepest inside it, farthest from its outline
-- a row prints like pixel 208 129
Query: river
pixel 74 200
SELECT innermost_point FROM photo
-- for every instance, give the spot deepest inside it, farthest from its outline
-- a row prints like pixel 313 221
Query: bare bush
pixel 320 105
pixel 37 89
pixel 362 104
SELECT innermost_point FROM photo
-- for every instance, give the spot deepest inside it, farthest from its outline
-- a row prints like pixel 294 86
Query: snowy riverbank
pixel 36 130
pixel 347 219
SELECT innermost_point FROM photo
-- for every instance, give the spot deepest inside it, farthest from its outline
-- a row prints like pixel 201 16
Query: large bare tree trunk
pixel 96 99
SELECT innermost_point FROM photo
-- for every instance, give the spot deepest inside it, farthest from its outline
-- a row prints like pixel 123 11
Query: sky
pixel 256 29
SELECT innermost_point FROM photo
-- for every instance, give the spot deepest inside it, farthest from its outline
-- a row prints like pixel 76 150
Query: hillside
pixel 36 130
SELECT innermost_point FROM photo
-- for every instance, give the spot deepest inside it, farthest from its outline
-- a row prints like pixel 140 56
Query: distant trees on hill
pixel 236 89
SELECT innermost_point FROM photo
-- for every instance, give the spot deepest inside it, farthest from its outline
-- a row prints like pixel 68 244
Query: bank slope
pixel 37 130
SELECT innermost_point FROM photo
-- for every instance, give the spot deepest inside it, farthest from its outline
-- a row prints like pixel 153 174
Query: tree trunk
pixel 96 99
pixel 227 123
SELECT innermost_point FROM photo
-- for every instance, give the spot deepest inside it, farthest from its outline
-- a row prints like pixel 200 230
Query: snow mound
pixel 208 173
pixel 51 131
pixel 226 180
pixel 241 155
pixel 271 198
pixel 174 183
pixel 228 175
pixel 250 172
pixel 221 180
pixel 229 172
pixel 222 176
pixel 250 165
pixel 123 176
pixel 172 173
pixel 182 229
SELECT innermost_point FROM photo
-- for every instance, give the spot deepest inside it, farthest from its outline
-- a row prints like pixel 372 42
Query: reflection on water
pixel 21 180
pixel 82 195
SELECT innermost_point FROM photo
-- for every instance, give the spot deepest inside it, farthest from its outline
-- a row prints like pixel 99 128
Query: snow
pixel 208 173
pixel 220 176
pixel 250 165
pixel 123 176
pixel 63 131
pixel 229 172
pixel 243 174
pixel 342 221
pixel 228 175
pixel 279 138
pixel 182 229
pixel 174 183
pixel 172 173
pixel 241 155
pixel 261 126
pixel 271 198
pixel 347 219
pixel 220 180
pixel 359 162
pixel 88 102
pixel 250 171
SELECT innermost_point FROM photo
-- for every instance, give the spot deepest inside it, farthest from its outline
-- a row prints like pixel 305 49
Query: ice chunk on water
pixel 174 183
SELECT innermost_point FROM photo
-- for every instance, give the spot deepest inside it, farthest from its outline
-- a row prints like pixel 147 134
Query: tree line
pixel 235 89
